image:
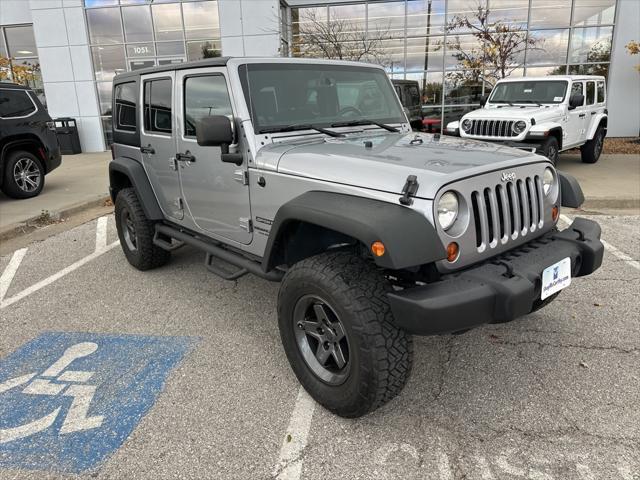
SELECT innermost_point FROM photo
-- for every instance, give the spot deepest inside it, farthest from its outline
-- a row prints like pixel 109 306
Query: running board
pixel 165 242
pixel 235 259
pixel 218 266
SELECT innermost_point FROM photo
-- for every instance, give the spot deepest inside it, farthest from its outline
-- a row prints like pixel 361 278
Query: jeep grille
pixel 492 128
pixel 507 211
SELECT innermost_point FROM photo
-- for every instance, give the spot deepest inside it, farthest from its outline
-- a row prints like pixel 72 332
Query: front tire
pixel 136 232
pixel 23 175
pixel 593 148
pixel 551 149
pixel 338 333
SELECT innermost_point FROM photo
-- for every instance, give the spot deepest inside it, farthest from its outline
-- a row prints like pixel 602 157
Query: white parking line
pixel 56 276
pixel 101 234
pixel 610 248
pixel 289 466
pixel 10 271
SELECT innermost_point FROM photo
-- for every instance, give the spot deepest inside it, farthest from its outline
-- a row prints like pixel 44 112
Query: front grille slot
pixel 492 128
pixel 507 211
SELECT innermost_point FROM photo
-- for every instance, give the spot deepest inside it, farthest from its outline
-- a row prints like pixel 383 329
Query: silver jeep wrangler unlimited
pixel 306 172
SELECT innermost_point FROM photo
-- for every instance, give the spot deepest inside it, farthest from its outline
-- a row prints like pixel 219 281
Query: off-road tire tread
pixel 9 186
pixel 587 151
pixel 365 289
pixel 149 256
pixel 545 147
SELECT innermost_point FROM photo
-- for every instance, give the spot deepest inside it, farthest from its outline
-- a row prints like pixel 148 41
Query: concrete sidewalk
pixel 82 180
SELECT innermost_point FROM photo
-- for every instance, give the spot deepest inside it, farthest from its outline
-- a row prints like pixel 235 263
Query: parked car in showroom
pixel 306 172
pixel 549 114
pixel 29 147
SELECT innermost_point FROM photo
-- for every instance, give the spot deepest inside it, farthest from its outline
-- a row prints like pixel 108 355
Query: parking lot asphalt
pixel 552 396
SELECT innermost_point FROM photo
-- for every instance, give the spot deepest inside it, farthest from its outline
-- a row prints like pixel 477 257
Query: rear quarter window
pixel 125 107
pixel 591 93
pixel 15 103
pixel 601 94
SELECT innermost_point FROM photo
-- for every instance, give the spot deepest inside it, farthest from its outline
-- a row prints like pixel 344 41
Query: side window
pixel 576 89
pixel 414 94
pixel 204 96
pixel 125 103
pixel 15 103
pixel 157 106
pixel 600 92
pixel 591 93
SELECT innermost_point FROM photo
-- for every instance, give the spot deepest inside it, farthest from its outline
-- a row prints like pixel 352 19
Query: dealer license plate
pixel 556 277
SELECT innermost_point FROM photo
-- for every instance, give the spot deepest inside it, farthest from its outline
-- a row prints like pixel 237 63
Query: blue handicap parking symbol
pixel 68 400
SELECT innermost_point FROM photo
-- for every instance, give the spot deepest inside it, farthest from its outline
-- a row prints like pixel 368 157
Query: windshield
pixel 322 95
pixel 543 91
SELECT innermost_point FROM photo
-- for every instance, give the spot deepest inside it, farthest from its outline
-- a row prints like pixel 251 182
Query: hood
pixel 546 112
pixel 435 160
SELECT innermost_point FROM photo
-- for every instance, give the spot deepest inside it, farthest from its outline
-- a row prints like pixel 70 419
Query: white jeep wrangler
pixel 548 114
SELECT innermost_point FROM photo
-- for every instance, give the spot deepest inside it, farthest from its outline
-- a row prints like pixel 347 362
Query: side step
pixel 244 264
pixel 219 267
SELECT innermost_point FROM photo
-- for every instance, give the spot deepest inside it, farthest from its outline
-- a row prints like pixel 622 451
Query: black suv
pixel 28 144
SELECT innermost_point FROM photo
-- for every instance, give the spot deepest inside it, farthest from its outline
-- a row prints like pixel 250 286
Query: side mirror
pixel 576 100
pixel 483 100
pixel 216 131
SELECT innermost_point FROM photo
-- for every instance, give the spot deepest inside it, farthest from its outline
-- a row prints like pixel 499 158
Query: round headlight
pixel 519 127
pixel 447 210
pixel 548 179
pixel 466 125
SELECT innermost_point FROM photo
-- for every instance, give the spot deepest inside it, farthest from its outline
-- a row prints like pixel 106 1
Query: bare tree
pixel 500 46
pixel 341 39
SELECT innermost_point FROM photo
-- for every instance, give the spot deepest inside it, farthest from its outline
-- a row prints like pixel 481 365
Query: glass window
pixel 386 19
pixel 430 92
pixel 157 106
pixel 137 24
pixel 509 13
pixel 105 26
pixel 462 88
pixel 167 20
pixel 425 54
pixel 203 49
pixel 593 12
pixel 349 19
pixel 307 22
pixel 204 96
pixel 15 103
pixel 201 20
pixel 20 41
pixel 170 48
pixel 125 99
pixel 577 89
pixel 544 71
pixel 100 3
pixel 591 93
pixel 601 97
pixel 590 45
pixel 108 61
pixel 527 91
pixel 590 69
pixel 462 13
pixel 550 13
pixel 389 53
pixel 425 17
pixel 140 64
pixel 464 52
pixel 104 97
pixel 107 128
pixel 547 47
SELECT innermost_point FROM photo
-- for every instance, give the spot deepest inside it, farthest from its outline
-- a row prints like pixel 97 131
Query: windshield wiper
pixel 301 126
pixel 365 121
pixel 531 101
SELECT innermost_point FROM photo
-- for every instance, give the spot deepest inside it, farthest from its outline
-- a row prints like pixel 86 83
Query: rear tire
pixel 550 149
pixel 23 175
pixel 593 148
pixel 136 233
pixel 335 306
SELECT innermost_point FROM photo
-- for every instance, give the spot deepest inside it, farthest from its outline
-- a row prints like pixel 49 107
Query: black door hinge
pixel 410 188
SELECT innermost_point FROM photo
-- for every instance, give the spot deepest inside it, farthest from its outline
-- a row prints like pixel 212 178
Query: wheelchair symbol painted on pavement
pixel 71 383
pixel 69 400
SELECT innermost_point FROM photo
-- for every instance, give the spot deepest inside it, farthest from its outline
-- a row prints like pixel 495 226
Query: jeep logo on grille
pixel 508 176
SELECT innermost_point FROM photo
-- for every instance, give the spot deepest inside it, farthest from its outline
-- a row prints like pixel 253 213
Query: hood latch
pixel 409 190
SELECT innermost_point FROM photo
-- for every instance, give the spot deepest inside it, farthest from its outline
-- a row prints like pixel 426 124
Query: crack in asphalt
pixel 543 344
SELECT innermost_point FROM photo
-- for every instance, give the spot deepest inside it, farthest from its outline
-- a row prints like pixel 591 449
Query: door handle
pixel 593 113
pixel 582 115
pixel 185 157
pixel 148 149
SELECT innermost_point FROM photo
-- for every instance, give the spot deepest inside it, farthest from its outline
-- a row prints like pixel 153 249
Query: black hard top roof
pixel 208 62
pixel 13 86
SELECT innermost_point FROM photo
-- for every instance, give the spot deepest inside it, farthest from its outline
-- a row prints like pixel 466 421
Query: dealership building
pixel 69 50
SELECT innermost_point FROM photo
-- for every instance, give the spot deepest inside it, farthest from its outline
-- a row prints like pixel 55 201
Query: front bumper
pixel 504 288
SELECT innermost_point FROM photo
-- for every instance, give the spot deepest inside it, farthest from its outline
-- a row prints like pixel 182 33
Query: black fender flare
pixel 409 239
pixel 134 172
pixel 570 191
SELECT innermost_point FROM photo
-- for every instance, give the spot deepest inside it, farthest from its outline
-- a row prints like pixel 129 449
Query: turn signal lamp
pixel 377 248
pixel 452 251
pixel 554 213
